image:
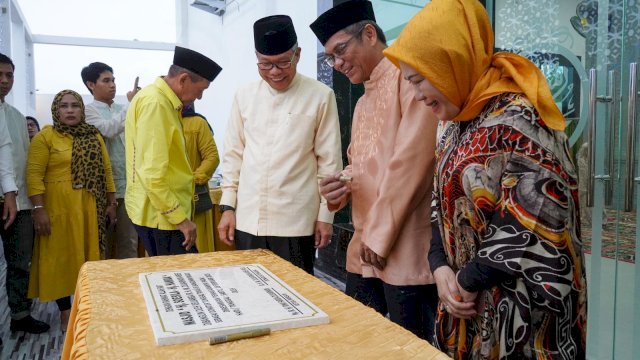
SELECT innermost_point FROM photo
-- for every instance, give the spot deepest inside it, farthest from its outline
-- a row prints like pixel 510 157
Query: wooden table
pixel 109 318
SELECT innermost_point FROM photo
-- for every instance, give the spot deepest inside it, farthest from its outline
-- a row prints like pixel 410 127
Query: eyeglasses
pixel 340 49
pixel 282 65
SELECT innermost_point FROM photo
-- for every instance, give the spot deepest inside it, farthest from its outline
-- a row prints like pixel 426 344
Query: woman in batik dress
pixel 506 252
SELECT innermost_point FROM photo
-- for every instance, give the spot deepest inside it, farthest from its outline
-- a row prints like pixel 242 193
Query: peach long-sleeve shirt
pixel 392 156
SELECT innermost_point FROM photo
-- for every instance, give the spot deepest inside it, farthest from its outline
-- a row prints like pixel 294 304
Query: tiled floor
pixel 329 280
pixel 23 346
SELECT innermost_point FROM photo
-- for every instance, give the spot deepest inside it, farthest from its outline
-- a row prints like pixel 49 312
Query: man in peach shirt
pixel 389 179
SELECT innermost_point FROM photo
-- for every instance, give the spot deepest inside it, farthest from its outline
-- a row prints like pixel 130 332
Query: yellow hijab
pixel 450 43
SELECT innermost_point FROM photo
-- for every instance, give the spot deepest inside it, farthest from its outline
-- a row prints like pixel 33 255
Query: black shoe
pixel 29 324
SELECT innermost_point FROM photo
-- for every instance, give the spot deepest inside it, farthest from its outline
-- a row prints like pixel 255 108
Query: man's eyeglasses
pixel 282 65
pixel 340 49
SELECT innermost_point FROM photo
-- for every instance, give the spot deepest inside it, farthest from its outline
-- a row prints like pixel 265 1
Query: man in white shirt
pixel 7 180
pixel 108 117
pixel 283 137
pixel 17 236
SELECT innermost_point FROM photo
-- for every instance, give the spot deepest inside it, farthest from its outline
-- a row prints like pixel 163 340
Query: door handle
pixel 612 100
pixel 631 137
pixel 593 79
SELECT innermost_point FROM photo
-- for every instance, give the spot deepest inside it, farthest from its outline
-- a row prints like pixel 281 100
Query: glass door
pixel 588 51
pixel 628 315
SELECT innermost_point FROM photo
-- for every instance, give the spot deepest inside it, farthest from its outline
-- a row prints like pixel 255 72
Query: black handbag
pixel 202 199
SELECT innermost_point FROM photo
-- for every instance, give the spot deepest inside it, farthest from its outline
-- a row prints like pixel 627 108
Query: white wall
pixel 43 108
pixel 15 42
pixel 228 40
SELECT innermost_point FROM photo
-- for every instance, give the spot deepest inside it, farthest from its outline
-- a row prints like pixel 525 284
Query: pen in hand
pixel 239 336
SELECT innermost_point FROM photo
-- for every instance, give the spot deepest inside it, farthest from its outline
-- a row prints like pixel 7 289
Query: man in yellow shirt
pixel 159 190
pixel 283 136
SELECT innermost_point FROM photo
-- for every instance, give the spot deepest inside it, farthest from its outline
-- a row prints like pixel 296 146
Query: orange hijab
pixel 450 43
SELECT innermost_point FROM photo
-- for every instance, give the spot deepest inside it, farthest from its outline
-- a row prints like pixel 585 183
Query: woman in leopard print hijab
pixel 71 187
pixel 87 164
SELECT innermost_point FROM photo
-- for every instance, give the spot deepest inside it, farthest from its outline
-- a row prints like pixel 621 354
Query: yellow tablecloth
pixel 109 318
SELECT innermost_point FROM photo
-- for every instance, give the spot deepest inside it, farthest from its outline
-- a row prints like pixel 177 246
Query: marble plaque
pixel 196 304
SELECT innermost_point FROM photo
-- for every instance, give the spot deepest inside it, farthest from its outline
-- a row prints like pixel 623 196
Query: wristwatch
pixel 224 208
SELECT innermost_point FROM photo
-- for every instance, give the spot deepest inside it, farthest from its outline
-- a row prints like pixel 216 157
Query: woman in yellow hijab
pixel 506 252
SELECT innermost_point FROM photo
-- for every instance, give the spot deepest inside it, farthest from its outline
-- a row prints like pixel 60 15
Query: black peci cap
pixel 341 16
pixel 274 35
pixel 196 62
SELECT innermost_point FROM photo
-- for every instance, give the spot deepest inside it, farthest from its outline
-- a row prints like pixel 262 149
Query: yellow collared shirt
pixel 159 178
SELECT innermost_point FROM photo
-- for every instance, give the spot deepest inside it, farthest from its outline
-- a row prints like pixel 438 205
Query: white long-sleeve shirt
pixel 14 146
pixel 278 146
pixel 109 120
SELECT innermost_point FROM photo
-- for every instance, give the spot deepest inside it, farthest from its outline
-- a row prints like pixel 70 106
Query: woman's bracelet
pixel 114 203
pixel 35 207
